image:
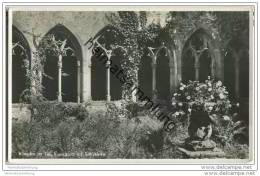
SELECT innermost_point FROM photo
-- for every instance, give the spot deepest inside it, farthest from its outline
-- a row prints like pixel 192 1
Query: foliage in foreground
pixel 63 130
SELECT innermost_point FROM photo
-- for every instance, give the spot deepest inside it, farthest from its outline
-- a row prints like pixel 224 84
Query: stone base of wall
pixel 21 112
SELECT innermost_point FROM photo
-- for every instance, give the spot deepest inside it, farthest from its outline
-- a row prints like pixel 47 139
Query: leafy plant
pixel 212 97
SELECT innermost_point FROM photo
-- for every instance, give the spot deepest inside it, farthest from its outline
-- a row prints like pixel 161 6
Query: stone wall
pixel 21 112
pixel 82 24
pixel 86 24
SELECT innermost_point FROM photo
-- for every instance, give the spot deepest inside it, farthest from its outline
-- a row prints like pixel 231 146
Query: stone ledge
pixel 215 153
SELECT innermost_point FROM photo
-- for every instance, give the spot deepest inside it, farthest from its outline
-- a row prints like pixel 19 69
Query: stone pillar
pixel 197 68
pixel 219 71
pixel 172 77
pixel 59 78
pixel 86 74
pixel 134 97
pixel 108 79
pixel 33 90
pixel 173 71
pixel 178 67
pixel 78 81
pixel 212 67
pixel 153 65
pixel 237 75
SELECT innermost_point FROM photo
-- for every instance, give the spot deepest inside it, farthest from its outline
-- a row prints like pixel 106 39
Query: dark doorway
pixel 50 79
pixel 205 66
pixel 163 76
pixel 188 70
pixel 116 85
pixel 20 57
pixel 98 79
pixel 69 78
pixel 244 75
pixel 229 73
pixel 145 76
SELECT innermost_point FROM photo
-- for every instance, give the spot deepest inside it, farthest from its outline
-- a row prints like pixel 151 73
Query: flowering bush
pixel 211 96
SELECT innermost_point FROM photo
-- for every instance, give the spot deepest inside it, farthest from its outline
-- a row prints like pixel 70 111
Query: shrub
pixel 212 97
pixel 53 130
pixel 135 109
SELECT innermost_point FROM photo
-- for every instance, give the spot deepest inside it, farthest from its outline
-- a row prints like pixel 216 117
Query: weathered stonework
pixel 83 25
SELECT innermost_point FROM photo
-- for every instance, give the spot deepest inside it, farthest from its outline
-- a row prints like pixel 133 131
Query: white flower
pixel 182 112
pixel 237 104
pixel 210 108
pixel 188 97
pixel 180 104
pixel 225 117
pixel 219 83
pixel 197 88
pixel 221 96
pixel 208 77
pixel 189 109
pixel 175 94
pixel 181 88
pixel 177 113
pixel 212 97
pixel 209 89
pixel 173 103
pixel 35 111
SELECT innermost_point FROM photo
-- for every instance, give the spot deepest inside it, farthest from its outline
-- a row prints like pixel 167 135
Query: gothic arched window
pixel 106 85
pixel 21 58
pixel 62 72
pixel 197 61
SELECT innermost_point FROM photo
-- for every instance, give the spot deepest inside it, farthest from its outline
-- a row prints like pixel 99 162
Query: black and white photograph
pixel 130 83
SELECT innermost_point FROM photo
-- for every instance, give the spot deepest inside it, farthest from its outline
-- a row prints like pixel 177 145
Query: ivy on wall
pixel 136 35
pixel 47 45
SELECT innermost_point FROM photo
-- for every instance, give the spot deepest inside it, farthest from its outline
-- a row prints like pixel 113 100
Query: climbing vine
pixel 34 73
pixel 136 35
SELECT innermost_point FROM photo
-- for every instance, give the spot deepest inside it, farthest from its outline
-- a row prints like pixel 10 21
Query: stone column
pixel 78 81
pixel 108 78
pixel 86 74
pixel 153 65
pixel 33 90
pixel 178 67
pixel 59 78
pixel 173 71
pixel 219 73
pixel 212 67
pixel 237 75
pixel 134 97
pixel 197 68
pixel 172 77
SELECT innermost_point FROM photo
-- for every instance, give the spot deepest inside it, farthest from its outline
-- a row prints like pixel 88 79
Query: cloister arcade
pixel 78 76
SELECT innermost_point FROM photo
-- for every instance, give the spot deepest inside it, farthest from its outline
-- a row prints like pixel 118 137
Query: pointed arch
pixel 21 60
pixel 101 85
pixel 197 56
pixel 71 68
